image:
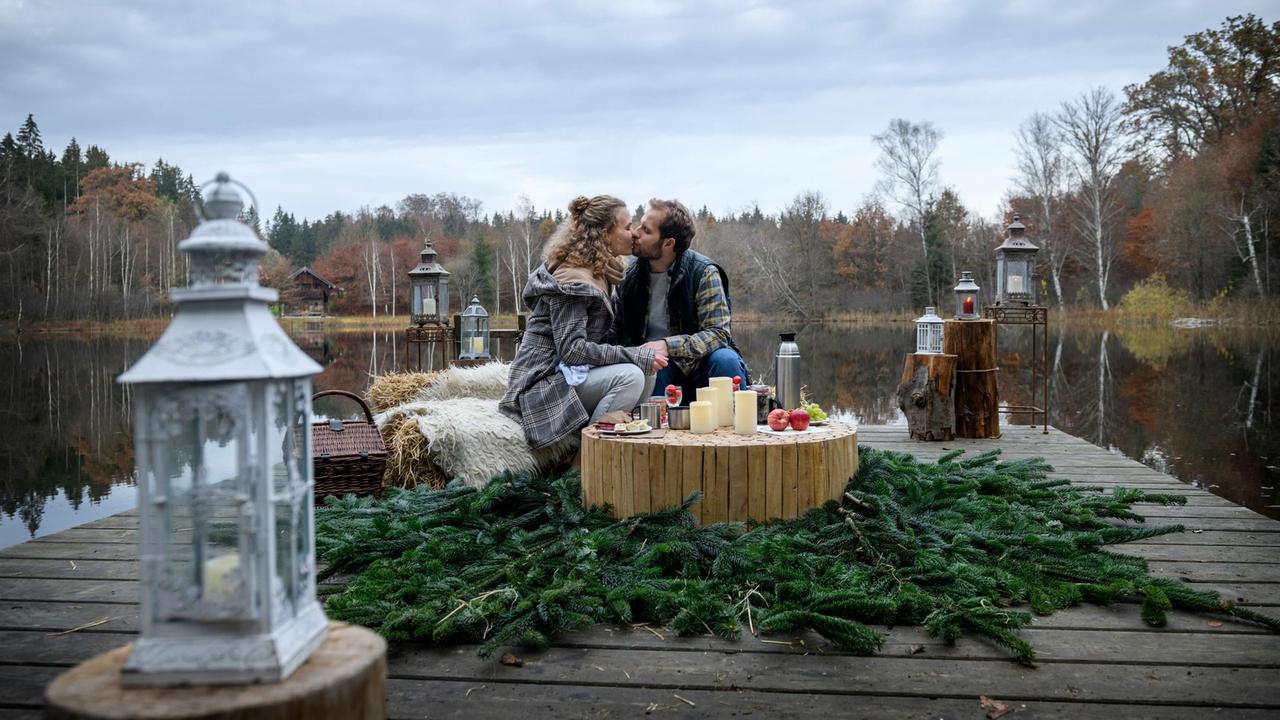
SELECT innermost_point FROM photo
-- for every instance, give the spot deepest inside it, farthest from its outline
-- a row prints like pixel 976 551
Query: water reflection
pixel 1197 404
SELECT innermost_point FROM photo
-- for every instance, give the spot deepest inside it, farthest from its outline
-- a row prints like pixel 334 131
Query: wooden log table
pixel 759 476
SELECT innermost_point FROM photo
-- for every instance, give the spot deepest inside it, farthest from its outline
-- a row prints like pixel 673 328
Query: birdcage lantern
pixel 968 302
pixel 474 332
pixel 1015 266
pixel 428 289
pixel 222 417
pixel 929 332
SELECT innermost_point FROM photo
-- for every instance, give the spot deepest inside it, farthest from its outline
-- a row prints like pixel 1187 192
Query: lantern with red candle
pixel 967 306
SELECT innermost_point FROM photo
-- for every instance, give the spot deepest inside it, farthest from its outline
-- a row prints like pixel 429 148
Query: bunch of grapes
pixel 816 414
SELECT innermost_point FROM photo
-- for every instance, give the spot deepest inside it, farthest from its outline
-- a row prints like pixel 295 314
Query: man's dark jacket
pixel 682 298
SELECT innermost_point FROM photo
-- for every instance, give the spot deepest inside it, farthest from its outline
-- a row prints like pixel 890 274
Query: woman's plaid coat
pixel 567 321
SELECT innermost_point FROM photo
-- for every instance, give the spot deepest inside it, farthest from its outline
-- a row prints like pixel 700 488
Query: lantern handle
pixel 197 202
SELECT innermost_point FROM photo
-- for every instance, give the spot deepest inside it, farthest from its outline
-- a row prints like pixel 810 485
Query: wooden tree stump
pixel 927 396
pixel 973 342
pixel 343 678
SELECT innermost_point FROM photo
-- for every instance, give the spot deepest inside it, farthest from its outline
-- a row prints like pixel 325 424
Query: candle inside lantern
pixel 724 400
pixel 744 412
pixel 1015 283
pixel 477 345
pixel 428 306
pixel 221 578
pixel 702 415
pixel 968 305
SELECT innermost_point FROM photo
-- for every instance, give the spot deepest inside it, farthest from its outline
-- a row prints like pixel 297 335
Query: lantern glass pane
pixel 1016 282
pixel 286 448
pixel 922 337
pixel 202 481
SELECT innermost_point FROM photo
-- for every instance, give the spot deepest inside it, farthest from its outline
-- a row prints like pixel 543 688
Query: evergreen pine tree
pixel 94 158
pixel 482 269
pixel 72 168
pixel 30 152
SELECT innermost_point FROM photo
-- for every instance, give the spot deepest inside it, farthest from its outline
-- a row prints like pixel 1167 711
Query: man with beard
pixel 675 301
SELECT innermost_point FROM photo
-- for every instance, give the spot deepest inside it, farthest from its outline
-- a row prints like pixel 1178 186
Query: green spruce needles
pixel 957 545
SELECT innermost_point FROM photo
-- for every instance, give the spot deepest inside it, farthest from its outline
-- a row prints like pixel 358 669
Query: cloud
pixel 736 101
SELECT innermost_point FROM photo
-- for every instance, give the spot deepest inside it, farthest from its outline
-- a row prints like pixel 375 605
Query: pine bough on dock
pixel 957 546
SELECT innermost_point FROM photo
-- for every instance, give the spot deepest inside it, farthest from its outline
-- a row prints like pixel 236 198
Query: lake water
pixel 1197 404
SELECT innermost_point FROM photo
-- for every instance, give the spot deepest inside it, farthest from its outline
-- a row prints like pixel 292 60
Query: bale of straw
pixel 392 389
pixel 409 463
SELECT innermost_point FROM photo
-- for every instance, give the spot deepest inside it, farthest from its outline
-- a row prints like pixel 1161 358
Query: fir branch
pixel 955 546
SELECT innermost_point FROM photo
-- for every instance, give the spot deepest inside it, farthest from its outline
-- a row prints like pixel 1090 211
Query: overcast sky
pixel 320 106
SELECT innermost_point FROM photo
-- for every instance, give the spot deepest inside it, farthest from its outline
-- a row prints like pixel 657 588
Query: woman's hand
pixel 659 361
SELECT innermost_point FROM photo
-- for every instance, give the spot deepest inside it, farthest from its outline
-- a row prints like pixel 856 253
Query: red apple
pixel 779 420
pixel 799 419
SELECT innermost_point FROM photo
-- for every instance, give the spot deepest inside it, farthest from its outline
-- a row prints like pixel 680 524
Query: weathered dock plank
pixel 69 596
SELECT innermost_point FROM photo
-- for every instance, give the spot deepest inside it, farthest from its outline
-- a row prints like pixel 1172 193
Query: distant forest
pixel 1174 183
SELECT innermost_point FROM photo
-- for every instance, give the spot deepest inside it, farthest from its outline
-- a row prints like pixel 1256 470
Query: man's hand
pixel 658 346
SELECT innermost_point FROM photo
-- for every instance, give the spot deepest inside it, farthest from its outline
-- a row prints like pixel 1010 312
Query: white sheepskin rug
pixel 467 437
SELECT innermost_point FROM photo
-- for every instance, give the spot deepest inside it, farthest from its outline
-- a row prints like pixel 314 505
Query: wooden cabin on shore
pixel 307 294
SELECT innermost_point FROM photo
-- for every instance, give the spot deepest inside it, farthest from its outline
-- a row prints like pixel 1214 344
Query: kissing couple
pixel 602 334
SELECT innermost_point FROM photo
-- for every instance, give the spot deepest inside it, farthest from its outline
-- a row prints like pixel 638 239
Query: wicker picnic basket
pixel 349 454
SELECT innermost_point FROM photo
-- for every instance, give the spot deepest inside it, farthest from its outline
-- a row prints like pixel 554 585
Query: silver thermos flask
pixel 787 372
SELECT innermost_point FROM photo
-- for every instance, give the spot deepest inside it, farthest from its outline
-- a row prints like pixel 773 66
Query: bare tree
pixel 1091 130
pixel 910 173
pixel 519 233
pixel 1041 172
pixel 770 263
pixel 370 255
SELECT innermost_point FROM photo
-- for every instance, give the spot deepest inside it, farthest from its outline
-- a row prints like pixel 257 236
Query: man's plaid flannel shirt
pixel 713 319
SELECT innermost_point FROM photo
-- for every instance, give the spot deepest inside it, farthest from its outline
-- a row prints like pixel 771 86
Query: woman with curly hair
pixel 563 377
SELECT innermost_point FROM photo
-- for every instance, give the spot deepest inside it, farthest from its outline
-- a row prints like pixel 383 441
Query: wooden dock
pixel 69 596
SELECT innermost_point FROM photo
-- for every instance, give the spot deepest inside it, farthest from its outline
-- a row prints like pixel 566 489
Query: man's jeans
pixel 725 362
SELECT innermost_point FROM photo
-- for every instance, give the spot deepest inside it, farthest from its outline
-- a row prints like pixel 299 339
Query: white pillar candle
pixel 221 578
pixel 702 416
pixel 477 345
pixel 711 395
pixel 724 400
pixel 744 412
pixel 428 306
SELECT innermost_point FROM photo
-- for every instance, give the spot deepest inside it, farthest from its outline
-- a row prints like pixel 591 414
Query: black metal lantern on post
pixel 429 290
pixel 428 311
pixel 1015 265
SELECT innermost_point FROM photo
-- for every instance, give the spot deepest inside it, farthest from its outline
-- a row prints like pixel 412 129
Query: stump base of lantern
pixel 343 678
pixel 758 476
pixel 973 342
pixel 927 396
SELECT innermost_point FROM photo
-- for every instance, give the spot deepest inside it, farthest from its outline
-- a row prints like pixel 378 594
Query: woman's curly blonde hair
pixel 580 242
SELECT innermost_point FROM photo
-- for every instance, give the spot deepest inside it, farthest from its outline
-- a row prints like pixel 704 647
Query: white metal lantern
pixel 929 332
pixel 474 331
pixel 968 305
pixel 429 289
pixel 222 423
pixel 1015 265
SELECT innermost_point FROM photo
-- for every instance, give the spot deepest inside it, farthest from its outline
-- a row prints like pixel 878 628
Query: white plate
pixel 627 432
pixel 820 422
